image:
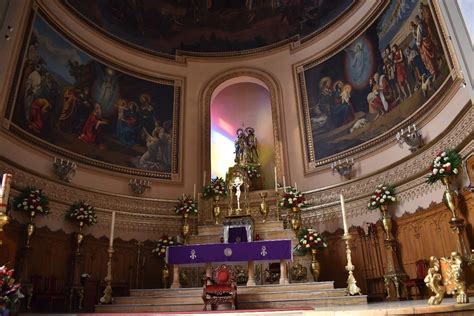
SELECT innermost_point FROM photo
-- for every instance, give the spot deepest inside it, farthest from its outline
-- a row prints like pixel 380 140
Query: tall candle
pixel 194 191
pixel 344 219
pixel 204 179
pixel 5 189
pixel 296 187
pixel 284 184
pixel 112 229
pixel 276 181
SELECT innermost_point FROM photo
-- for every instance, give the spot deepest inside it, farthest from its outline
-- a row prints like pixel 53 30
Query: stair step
pixel 256 304
pixel 243 297
pixel 310 286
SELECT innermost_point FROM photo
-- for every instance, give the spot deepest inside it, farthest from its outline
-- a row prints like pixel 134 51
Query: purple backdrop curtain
pixel 237 234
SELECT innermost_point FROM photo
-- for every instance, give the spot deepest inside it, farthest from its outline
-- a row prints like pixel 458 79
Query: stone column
pixel 283 273
pixel 251 274
pixel 209 270
pixel 175 284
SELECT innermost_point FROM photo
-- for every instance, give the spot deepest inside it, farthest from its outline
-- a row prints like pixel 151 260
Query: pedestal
pixel 75 291
pixel 24 279
pixel 394 274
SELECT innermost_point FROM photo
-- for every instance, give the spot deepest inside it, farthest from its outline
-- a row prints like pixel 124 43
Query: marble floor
pixel 415 307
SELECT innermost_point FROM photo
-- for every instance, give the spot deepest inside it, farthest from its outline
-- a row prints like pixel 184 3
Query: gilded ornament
pixel 264 209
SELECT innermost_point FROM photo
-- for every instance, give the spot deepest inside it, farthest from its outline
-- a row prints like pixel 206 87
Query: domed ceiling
pixel 209 26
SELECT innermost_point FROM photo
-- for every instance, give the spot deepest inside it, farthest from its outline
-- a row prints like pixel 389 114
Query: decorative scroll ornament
pixel 228 252
pixel 264 251
pixel 193 254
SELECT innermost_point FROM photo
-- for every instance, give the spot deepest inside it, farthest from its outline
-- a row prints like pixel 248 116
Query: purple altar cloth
pixel 265 250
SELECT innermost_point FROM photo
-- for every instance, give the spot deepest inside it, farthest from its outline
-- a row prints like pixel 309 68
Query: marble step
pixel 243 297
pixel 307 286
pixel 164 306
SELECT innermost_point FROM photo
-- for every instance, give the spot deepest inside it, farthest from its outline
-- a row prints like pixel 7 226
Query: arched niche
pixel 248 96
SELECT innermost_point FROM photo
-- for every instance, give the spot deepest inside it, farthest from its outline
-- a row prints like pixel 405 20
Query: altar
pixel 206 254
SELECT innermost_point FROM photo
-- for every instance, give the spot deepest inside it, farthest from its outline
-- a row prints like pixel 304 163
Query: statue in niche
pixel 246 146
pixel 251 146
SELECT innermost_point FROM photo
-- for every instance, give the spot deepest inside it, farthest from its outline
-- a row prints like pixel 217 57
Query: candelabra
pixel 107 297
pixel 344 168
pixel 412 137
pixel 352 288
pixel 139 186
pixel 64 169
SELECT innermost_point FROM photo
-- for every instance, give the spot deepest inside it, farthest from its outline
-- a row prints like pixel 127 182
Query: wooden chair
pixel 418 282
pixel 220 289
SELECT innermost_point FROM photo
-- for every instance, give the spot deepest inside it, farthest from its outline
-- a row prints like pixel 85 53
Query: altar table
pixel 205 254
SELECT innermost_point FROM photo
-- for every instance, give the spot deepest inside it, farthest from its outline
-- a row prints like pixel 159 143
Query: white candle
pixel 112 228
pixel 194 191
pixel 414 127
pixel 276 181
pixel 204 179
pixel 5 189
pixel 344 219
pixel 284 184
pixel 296 187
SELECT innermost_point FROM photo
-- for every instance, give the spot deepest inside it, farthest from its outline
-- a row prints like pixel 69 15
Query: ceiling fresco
pixel 208 26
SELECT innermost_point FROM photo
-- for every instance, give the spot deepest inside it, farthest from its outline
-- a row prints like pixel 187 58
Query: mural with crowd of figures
pixel 374 83
pixel 165 26
pixel 69 99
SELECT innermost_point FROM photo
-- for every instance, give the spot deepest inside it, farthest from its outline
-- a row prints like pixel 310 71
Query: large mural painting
pixel 374 83
pixel 216 26
pixel 74 104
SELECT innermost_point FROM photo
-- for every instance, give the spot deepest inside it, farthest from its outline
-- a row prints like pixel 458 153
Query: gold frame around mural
pixel 175 176
pixel 313 165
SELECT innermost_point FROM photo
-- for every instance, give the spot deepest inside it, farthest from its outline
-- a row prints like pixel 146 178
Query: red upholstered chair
pixel 220 289
pixel 421 271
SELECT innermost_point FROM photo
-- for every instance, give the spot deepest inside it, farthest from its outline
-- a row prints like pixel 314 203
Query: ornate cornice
pixel 147 217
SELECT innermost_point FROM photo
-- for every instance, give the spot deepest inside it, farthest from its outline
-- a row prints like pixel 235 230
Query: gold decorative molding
pixel 276 107
pixel 149 217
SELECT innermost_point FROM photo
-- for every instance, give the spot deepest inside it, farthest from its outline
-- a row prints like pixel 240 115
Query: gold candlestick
pixel 277 210
pixel 107 297
pixel 352 288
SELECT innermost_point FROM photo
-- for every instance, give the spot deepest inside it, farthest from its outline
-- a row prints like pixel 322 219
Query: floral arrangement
pixel 82 212
pixel 310 239
pixel 163 243
pixel 383 195
pixel 291 198
pixel 253 172
pixel 186 205
pixel 32 200
pixel 216 187
pixel 445 164
pixel 10 291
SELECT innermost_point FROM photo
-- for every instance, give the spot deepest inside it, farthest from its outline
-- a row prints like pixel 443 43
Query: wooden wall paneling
pixel 11 244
